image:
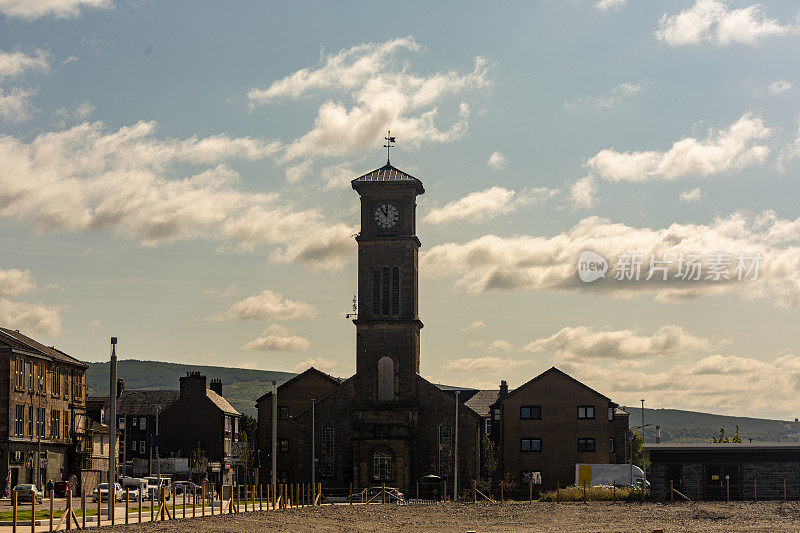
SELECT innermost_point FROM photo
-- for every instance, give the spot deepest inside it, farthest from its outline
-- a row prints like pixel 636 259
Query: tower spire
pixel 389 144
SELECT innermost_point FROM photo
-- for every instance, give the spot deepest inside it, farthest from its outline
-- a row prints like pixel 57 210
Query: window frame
pixel 283 408
pixel 530 441
pixel 583 443
pixel 586 412
pixel 283 445
pixel 531 410
pixel 612 445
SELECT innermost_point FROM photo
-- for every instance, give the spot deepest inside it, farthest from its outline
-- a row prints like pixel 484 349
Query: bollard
pixel 127 499
pixel 203 508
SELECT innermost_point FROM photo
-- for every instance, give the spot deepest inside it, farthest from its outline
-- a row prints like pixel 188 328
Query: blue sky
pixel 176 174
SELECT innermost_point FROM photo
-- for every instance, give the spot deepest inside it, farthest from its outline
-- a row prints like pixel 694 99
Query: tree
pixel 637 447
pixel 246 455
pixel 490 460
pixel 724 439
pixel 249 425
pixel 197 461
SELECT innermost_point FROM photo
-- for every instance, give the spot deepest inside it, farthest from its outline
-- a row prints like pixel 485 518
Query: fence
pixel 242 498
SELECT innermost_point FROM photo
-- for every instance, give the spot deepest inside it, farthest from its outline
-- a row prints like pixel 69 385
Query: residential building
pixel 136 424
pixel 548 425
pixel 43 427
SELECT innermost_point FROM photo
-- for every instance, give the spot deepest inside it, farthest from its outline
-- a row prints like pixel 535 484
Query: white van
pixel 136 486
pixel 154 485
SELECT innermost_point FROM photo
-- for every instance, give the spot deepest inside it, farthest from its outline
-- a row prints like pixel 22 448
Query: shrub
pixel 593 493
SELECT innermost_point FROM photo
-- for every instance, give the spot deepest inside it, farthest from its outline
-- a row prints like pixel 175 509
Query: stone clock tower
pixel 388 325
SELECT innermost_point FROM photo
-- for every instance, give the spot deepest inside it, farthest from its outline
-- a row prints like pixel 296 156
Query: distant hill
pixel 691 426
pixel 240 386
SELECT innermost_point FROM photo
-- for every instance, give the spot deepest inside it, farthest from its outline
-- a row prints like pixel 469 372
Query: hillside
pixel 240 386
pixel 691 426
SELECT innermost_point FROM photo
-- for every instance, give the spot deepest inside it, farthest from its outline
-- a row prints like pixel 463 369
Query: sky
pixel 176 174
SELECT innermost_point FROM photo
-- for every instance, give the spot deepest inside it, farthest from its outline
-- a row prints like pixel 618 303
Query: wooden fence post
pixel 383 491
pixel 699 494
pixel 194 501
pixel 755 489
pixel 784 488
pixel 502 490
pixel 68 511
pixel 474 494
pixel 33 514
pixel 418 490
pixel 99 507
pixel 140 505
pixel 671 491
pixel 52 497
pixel 13 512
pixel 558 492
pixel 203 508
pixel 727 489
pixel 83 508
pixel 530 490
pixel 261 497
pixel 174 501
pixel 127 499
pixel 614 492
pixel 584 492
pixel 319 486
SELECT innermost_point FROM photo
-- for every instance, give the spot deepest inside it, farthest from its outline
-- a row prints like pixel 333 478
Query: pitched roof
pixel 481 402
pixel 142 402
pixel 335 381
pixel 221 403
pixel 14 339
pixel 554 370
pixel 388 174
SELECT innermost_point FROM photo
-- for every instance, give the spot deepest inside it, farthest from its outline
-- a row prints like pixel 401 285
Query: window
pixel 121 423
pixel 283 445
pixel 143 423
pixel 78 384
pixel 445 449
pixel 30 376
pixel 532 477
pixel 381 466
pixel 283 412
pixel 585 445
pixel 66 383
pixel 142 447
pixel 385 379
pixel 611 444
pixel 327 461
pixel 530 412
pixel 134 421
pixel 66 424
pixel 133 446
pixel 41 382
pixel 586 412
pixel 488 426
pixel 56 381
pixel 20 373
pixel 30 421
pixel 531 445
pixel 19 426
pixel 395 291
pixel 121 450
pixel 610 414
pixel 496 414
pixel 40 416
pixel 55 424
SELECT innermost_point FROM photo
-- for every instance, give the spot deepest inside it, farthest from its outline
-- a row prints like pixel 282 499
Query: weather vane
pixel 389 144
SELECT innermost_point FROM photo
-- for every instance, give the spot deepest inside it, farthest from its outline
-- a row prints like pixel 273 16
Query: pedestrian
pixel 50 487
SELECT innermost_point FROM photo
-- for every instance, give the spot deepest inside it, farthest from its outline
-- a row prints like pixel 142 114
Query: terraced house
pixel 43 407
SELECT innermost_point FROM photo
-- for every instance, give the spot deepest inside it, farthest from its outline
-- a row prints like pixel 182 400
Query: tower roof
pixel 388 174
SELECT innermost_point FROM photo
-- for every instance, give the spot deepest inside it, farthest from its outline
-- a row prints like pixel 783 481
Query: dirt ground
pixel 551 517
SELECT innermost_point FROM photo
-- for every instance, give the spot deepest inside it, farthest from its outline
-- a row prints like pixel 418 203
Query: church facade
pixel 385 424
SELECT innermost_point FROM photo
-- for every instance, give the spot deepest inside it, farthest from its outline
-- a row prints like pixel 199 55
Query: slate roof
pixel 554 370
pixel 221 403
pixel 14 339
pixel 388 174
pixel 142 402
pixel 482 401
pixel 336 381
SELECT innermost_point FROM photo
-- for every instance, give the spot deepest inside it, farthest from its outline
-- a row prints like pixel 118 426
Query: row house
pixel 43 422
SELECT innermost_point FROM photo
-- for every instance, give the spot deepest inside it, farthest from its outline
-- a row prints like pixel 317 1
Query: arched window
pixel 445 449
pixel 382 466
pixel 385 379
pixel 327 460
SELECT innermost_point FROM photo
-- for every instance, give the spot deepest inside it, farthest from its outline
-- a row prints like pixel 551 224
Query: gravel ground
pixel 595 516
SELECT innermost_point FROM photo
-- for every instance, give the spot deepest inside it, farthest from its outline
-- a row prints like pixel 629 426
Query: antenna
pixel 389 144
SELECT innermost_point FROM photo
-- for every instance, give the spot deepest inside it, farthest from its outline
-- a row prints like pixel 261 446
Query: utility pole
pixel 158 459
pixel 112 432
pixel 644 458
pixel 313 443
pixel 455 456
pixel 274 437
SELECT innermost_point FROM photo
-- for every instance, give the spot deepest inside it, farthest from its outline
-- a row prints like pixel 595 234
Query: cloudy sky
pixel 177 174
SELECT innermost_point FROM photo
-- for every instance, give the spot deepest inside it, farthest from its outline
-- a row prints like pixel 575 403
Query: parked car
pixel 102 492
pixel 27 492
pixel 154 485
pixel 188 486
pixel 374 495
pixel 136 487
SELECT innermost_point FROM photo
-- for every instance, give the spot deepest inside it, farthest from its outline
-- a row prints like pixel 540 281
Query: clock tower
pixel 388 325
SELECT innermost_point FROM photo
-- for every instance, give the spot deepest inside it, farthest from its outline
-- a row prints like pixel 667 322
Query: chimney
pixel 503 389
pixel 216 385
pixel 193 385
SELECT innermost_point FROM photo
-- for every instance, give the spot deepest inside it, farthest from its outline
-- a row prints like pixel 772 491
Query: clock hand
pixel 386 211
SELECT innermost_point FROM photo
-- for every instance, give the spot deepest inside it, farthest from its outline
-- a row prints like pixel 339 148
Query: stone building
pixel 385 423
pixel 202 417
pixel 546 426
pixel 43 422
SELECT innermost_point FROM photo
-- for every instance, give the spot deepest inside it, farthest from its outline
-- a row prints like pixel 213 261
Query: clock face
pixel 386 215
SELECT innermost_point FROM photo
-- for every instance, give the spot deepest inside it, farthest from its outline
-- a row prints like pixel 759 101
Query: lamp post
pixel 313 443
pixel 644 457
pixel 455 455
pixel 112 432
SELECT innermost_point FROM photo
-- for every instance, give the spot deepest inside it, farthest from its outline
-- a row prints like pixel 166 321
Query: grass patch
pixel 595 494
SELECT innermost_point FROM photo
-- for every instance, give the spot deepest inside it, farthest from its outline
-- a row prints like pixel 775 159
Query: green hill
pixel 691 426
pixel 240 386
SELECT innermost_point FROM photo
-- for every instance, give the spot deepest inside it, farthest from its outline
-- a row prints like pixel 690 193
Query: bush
pixel 594 493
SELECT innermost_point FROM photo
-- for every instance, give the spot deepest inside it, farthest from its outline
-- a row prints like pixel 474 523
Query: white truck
pixel 621 475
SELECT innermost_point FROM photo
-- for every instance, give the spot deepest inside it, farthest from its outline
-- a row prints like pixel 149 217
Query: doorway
pixel 719 479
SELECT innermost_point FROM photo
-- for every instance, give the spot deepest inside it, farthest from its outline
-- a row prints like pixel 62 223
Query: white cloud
pixel 15 64
pixel 500 346
pixel 30 317
pixel 609 100
pixel 277 339
pixel 473 326
pixel 385 95
pixel 231 290
pixel 607 5
pixel 587 342
pixel 79 112
pixel 496 161
pixel 320 363
pixel 15 102
pixel 486 204
pixel 14 282
pixel 479 364
pixel 269 305
pixel 128 182
pixel 94 325
pixel 713 21
pixel 338 176
pixel 725 150
pixel 582 192
pixel 297 172
pixel 791 151
pixel 534 263
pixel 692 195
pixel 778 87
pixel 34 9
